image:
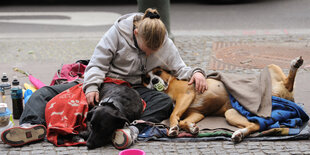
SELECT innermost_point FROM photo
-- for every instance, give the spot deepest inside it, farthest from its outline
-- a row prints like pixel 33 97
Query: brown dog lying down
pixel 192 107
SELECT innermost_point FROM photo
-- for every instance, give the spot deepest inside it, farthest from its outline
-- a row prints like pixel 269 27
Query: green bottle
pixel 17 99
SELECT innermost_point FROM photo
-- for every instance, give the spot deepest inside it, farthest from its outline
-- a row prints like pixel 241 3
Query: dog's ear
pixel 117 110
pixel 89 115
pixel 145 79
pixel 118 114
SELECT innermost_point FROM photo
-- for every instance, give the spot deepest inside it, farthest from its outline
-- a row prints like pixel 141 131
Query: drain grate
pixel 234 55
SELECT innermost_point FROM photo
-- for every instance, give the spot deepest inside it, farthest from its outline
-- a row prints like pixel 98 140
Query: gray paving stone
pixel 258 153
pixel 48 148
pixel 50 152
pixel 270 152
pixel 231 150
pixel 240 146
pixel 266 147
pixel 242 150
pixel 267 143
pixel 304 149
pixel 15 148
pixel 168 148
pixel 228 146
pixel 25 153
pixel 208 153
pixel 13 153
pixel 3 147
pixel 4 152
pixel 195 153
pixel 220 152
pixel 63 152
pixel 27 148
pixel 59 148
pixel 38 151
pixel 201 146
pixel 253 147
pixel 284 153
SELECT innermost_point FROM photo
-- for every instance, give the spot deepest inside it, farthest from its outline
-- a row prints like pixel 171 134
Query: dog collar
pixel 105 101
pixel 110 101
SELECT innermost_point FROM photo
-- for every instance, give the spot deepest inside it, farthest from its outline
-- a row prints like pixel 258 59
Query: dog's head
pixel 157 79
pixel 104 119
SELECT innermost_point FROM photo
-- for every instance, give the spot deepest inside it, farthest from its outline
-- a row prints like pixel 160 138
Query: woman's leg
pixel 34 112
pixel 158 105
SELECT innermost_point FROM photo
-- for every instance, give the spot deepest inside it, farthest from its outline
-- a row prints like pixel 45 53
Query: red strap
pixel 116 81
pixel 144 104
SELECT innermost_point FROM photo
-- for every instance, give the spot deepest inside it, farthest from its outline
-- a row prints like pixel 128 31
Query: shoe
pixel 24 134
pixel 124 138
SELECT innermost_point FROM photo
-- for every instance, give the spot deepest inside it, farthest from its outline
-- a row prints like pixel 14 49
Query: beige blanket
pixel 251 91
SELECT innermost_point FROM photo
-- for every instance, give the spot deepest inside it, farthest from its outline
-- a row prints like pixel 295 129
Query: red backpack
pixel 70 72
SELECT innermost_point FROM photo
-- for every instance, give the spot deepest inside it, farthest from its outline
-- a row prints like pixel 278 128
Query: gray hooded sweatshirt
pixel 116 56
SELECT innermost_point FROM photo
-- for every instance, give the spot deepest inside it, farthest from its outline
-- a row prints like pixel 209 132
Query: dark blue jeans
pixel 158 105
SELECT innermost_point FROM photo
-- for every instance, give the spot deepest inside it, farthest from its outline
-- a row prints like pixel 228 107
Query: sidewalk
pixel 42 57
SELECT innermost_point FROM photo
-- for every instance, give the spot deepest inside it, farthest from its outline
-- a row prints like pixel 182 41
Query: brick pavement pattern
pixel 43 56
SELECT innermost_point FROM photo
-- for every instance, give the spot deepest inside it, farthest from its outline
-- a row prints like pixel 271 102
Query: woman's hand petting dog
pixel 200 82
pixel 92 97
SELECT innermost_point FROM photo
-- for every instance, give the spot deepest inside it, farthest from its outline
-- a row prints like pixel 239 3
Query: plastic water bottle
pixel 27 95
pixel 5 86
pixel 17 99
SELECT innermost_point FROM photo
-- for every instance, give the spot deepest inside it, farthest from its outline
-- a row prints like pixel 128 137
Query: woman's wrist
pixel 199 70
pixel 91 88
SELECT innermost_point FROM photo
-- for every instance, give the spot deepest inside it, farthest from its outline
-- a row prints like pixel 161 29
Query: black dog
pixel 118 104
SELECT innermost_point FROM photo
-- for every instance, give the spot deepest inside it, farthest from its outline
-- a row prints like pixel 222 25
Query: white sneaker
pixel 124 138
pixel 24 134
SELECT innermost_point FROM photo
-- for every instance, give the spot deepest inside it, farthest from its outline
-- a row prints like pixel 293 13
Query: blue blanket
pixel 284 112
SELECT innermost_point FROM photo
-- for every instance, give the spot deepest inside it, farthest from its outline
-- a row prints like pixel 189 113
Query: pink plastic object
pixel 36 82
pixel 132 152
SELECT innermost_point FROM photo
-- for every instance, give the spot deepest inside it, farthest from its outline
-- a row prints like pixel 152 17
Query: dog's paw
pixel 173 131
pixel 297 62
pixel 237 136
pixel 193 128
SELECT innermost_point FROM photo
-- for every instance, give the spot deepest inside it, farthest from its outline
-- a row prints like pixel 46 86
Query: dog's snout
pixel 155 81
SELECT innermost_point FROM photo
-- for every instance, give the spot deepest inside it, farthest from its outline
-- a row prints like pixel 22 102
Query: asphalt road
pixel 252 16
